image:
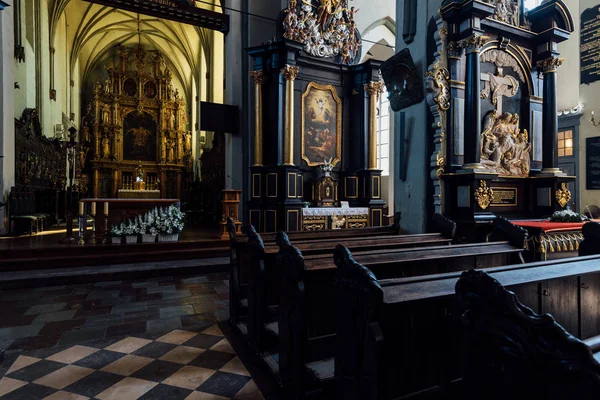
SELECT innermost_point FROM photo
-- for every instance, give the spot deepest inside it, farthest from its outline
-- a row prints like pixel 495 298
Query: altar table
pixel 322 218
pixel 120 210
pixel 138 194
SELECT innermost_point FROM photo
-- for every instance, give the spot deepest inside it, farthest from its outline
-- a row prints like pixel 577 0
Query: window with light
pixel 530 4
pixel 383 134
pixel 565 143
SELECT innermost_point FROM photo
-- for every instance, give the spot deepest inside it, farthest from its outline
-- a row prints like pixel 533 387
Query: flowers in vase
pixel 116 230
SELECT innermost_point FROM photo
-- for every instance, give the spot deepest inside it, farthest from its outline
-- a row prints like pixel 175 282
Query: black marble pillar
pixel 472 116
pixel 550 121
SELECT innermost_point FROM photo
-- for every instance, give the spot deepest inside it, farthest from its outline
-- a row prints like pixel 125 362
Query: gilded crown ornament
pixel 483 195
pixel 325 27
pixel 563 195
pixel 549 64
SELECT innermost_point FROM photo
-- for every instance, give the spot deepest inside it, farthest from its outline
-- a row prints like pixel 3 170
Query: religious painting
pixel 150 90
pixel 139 137
pixel 321 125
pixel 130 87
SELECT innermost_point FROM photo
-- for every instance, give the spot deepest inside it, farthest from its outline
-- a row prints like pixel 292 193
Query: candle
pixel 106 208
pixel 81 208
pixel 93 208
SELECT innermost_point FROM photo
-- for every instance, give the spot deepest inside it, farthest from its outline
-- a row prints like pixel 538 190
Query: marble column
pixel 472 117
pixel 289 73
pixel 550 116
pixel 258 77
pixel 373 89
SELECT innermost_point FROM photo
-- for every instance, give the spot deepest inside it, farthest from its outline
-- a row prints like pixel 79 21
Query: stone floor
pixel 156 338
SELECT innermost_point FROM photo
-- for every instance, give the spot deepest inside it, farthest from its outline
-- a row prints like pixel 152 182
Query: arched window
pixel 383 133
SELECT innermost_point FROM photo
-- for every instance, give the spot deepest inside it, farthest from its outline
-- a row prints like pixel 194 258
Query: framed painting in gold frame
pixel 321 125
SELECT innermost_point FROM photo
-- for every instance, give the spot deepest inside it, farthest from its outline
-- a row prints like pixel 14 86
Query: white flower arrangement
pixel 166 221
pixel 567 215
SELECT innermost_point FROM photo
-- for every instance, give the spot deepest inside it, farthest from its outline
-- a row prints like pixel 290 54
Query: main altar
pixel 315 124
pixel 492 93
pixel 136 122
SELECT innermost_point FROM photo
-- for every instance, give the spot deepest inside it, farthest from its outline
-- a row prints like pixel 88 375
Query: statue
pixel 171 155
pixel 172 120
pixel 504 148
pixel 106 117
pixel 108 85
pixel 188 142
pixel 498 86
pixel 139 172
pixel 105 147
pixel 98 86
pixel 163 148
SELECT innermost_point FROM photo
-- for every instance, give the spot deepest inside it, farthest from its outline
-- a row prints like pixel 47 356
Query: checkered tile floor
pixel 179 365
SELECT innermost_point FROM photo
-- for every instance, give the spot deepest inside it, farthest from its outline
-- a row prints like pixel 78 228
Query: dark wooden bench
pixel 411 338
pixel 22 212
pixel 306 323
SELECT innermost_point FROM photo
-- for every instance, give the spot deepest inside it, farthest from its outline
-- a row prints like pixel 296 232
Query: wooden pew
pixel 591 239
pixel 325 241
pixel 416 334
pixel 307 303
pixel 264 273
pixel 511 352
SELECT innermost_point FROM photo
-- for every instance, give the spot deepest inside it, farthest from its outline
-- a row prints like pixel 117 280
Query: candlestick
pixel 93 212
pixel 81 241
pixel 81 208
pixel 106 208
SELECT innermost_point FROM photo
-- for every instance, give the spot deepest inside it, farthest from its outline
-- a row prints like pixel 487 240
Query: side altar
pixel 315 122
pixel 492 93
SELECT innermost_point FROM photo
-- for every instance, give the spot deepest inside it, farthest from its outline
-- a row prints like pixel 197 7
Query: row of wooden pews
pixel 465 336
pixel 291 303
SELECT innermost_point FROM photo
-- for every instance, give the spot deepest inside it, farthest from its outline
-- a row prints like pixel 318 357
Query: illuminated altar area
pixel 136 127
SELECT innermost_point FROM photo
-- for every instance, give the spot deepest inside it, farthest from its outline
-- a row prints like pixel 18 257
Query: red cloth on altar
pixel 548 226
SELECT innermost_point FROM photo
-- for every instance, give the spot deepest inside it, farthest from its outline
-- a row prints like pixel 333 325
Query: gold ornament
pixel 484 195
pixel 563 195
pixel 549 64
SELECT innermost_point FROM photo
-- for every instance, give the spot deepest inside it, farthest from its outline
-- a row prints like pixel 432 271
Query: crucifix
pixel 497 86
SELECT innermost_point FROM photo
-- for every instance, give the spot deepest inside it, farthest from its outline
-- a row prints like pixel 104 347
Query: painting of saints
pixel 321 125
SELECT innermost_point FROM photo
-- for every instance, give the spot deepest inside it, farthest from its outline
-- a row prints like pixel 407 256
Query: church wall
pixel 411 196
pixel 7 125
pixel 571 93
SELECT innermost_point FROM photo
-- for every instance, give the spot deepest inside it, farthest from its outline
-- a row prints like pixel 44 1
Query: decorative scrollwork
pixel 437 84
pixel 483 195
pixel 563 195
pixel 549 64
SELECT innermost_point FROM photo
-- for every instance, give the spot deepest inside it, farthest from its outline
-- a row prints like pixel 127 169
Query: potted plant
pixel 130 232
pixel 116 234
pixel 169 224
pixel 147 228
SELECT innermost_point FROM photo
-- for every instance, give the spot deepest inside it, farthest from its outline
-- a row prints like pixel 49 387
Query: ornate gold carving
pixel 549 64
pixel 289 72
pixel 374 88
pixel 506 11
pixel 326 29
pixel 505 149
pixel 438 87
pixel 484 195
pixel 258 77
pixel 473 43
pixel 563 195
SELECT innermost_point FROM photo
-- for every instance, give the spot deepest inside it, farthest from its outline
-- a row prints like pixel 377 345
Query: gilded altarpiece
pixel 137 119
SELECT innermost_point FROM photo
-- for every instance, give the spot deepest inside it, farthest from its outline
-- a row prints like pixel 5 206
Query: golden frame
pixel 338 123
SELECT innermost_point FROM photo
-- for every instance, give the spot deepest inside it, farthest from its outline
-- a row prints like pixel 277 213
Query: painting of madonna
pixel 321 125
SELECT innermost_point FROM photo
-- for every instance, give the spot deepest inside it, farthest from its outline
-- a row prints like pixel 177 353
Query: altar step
pixel 76 257
pixel 37 277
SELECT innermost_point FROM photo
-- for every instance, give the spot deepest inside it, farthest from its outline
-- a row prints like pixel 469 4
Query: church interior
pixel 299 199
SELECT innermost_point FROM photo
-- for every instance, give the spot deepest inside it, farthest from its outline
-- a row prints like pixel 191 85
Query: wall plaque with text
pixel 589 47
pixel 504 197
pixel 592 163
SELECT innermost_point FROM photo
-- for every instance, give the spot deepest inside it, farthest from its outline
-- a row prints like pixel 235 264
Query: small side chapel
pixel 314 163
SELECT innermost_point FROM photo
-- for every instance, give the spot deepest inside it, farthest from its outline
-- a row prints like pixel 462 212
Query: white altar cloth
pixel 334 211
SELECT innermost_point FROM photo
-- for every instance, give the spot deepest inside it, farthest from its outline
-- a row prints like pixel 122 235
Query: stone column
pixel 289 73
pixel 472 121
pixel 373 89
pixel 258 77
pixel 550 117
